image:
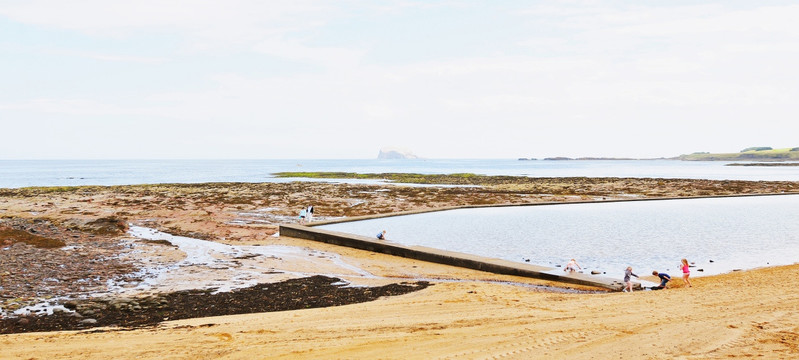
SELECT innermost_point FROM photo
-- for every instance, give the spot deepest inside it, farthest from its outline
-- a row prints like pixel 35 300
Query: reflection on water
pixel 719 235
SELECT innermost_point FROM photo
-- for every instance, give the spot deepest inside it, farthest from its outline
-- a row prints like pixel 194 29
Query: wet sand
pixel 462 314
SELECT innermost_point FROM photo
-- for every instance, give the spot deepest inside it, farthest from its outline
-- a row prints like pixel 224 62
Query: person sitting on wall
pixel 381 235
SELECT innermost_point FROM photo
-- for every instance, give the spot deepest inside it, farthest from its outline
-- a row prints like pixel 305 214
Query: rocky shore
pixel 41 261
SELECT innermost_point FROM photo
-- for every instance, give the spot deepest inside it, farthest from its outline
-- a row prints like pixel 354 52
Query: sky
pixel 238 79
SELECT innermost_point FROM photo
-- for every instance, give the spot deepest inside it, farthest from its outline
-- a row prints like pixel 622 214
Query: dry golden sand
pixel 742 314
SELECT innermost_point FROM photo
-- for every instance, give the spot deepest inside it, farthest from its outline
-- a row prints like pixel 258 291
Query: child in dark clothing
pixel 664 278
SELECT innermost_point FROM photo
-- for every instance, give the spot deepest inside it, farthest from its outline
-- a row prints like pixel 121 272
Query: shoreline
pixel 724 316
pixel 465 313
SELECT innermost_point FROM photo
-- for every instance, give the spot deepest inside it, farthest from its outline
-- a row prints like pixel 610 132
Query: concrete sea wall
pixel 497 266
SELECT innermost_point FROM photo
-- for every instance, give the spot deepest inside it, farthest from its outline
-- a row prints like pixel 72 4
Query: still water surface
pixel 733 233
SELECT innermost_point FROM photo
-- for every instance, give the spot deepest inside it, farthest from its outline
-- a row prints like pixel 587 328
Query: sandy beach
pixel 462 314
pixel 738 315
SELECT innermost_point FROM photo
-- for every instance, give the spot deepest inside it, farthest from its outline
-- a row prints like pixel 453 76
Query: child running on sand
pixel 686 272
pixel 627 280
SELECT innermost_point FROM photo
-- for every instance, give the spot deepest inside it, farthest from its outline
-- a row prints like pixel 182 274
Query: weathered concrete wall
pixel 496 266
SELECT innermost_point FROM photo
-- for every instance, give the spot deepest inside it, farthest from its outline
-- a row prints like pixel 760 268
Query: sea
pixel 25 173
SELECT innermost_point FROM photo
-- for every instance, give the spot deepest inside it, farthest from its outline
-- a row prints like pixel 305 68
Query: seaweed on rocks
pixel 310 292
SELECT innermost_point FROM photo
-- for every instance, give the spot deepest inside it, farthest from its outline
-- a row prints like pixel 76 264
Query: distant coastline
pixel 563 158
pixel 758 154
pixel 766 164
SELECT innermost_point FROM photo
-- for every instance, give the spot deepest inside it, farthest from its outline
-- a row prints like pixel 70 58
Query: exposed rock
pixel 72 305
pixel 396 153
pixel 77 266
pixel 25 236
pixel 106 226
pixel 303 293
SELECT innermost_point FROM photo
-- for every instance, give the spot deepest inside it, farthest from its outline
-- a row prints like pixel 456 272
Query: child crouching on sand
pixel 664 279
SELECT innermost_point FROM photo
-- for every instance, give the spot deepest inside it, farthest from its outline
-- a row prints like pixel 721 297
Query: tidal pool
pixel 717 235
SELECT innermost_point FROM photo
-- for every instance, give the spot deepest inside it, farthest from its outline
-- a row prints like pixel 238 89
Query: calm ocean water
pixel 23 173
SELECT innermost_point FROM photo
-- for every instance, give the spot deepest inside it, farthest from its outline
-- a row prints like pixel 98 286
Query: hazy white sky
pixel 177 79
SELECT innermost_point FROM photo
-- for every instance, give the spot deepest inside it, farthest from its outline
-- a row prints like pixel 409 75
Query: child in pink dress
pixel 686 272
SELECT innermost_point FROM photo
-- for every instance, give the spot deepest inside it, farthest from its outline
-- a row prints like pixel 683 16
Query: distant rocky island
pixel 396 153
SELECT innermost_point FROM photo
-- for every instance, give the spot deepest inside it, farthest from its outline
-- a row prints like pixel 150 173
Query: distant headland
pixel 762 153
pixel 758 154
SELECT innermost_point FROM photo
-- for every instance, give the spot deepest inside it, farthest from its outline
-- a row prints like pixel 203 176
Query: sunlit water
pixel 733 233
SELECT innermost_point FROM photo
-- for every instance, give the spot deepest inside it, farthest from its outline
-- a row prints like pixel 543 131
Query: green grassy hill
pixel 748 154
